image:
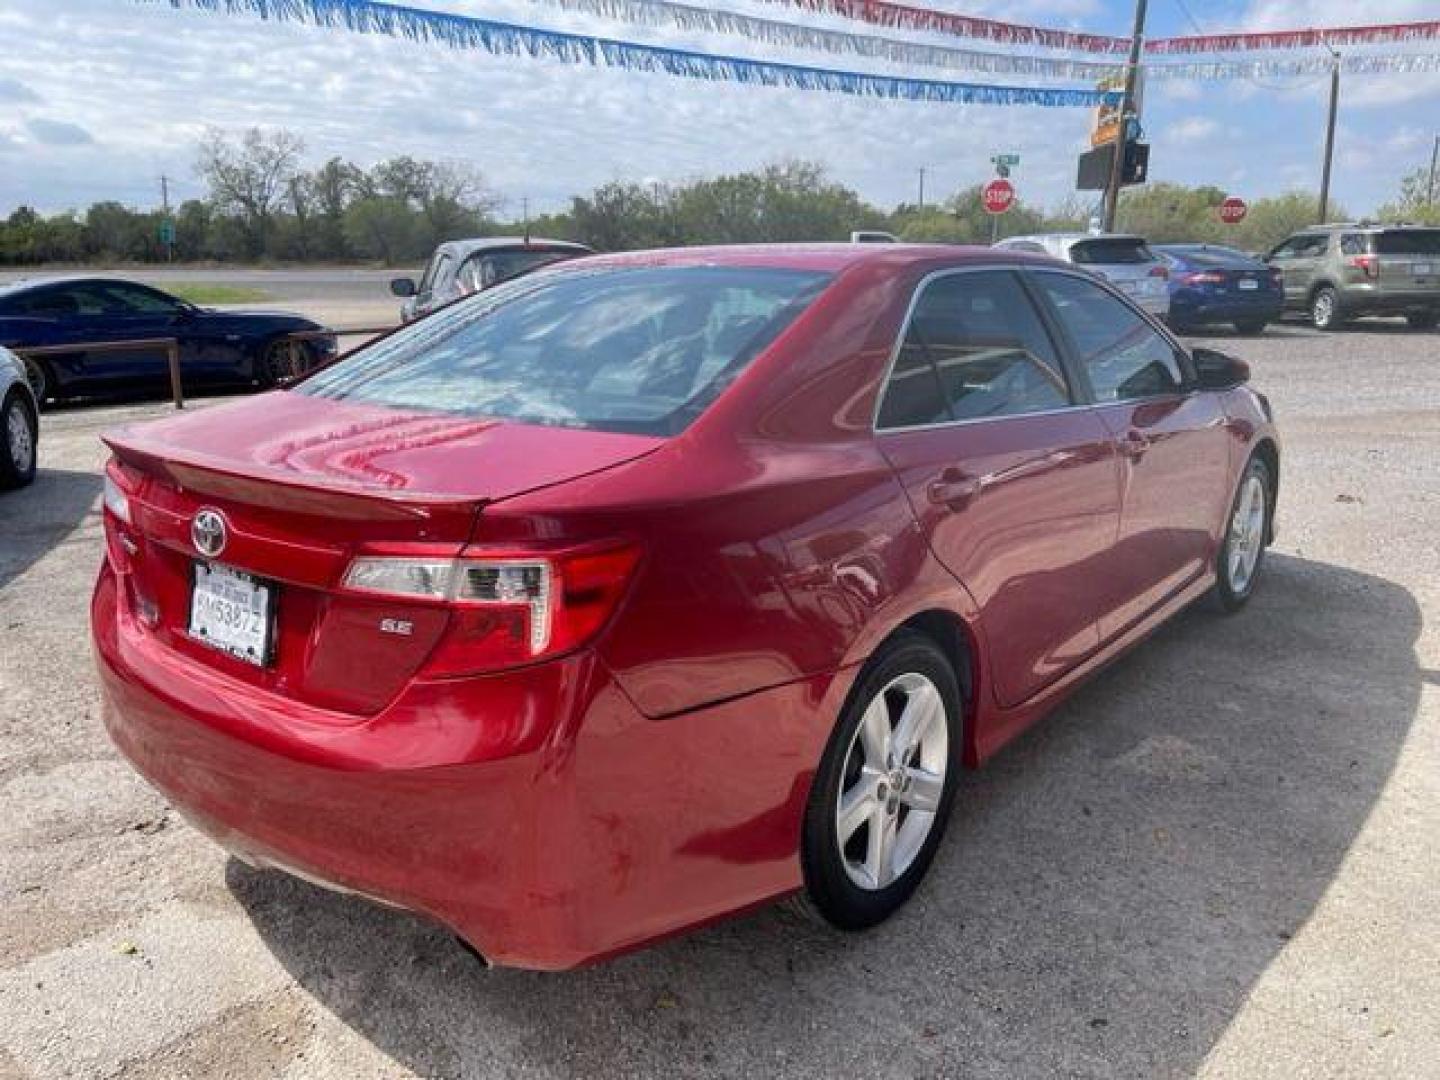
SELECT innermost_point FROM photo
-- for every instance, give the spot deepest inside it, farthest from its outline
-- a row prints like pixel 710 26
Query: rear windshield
pixel 641 349
pixel 1110 251
pixel 1227 257
pixel 1408 242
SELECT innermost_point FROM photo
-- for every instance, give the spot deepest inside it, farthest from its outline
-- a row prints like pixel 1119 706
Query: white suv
pixel 1123 260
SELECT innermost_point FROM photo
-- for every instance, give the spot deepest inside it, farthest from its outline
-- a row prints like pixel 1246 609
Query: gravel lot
pixel 1219 859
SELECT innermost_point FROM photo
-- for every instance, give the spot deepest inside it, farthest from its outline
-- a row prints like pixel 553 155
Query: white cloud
pixel 1192 129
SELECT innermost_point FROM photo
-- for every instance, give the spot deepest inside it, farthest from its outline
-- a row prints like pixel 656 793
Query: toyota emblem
pixel 208 532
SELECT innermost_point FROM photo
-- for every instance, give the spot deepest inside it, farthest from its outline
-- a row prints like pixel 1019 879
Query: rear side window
pixel 1408 242
pixel 641 350
pixel 974 349
pixel 1353 244
pixel 1123 355
pixel 1110 251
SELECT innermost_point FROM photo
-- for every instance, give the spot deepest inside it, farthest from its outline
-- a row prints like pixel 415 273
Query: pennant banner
pixel 1310 65
pixel 1380 34
pixel 507 39
pixel 664 14
pixel 905 17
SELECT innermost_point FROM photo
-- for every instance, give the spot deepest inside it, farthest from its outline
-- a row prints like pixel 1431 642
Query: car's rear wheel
pixel 1251 327
pixel 1246 533
pixel 1423 320
pixel 38 376
pixel 1325 309
pixel 19 434
pixel 880 800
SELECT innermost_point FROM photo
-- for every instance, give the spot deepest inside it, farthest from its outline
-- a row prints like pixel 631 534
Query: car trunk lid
pixel 303 485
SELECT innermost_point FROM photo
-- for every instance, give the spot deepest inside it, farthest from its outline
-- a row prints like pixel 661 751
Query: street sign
pixel 1233 210
pixel 167 232
pixel 998 196
pixel 1008 160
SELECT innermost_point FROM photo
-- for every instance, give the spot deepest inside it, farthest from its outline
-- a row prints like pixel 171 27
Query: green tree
pixel 249 177
pixel 382 227
pixel 1419 199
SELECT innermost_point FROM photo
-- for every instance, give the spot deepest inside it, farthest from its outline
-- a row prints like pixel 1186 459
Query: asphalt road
pixel 1219 859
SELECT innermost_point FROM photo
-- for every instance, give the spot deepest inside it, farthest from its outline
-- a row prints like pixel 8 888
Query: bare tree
pixel 250 176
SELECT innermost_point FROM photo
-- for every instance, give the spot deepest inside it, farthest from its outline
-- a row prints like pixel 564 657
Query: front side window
pixel 434 272
pixel 131 300
pixel 974 349
pixel 641 350
pixel 1122 354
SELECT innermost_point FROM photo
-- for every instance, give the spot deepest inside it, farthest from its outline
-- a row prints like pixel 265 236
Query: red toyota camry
pixel 653 587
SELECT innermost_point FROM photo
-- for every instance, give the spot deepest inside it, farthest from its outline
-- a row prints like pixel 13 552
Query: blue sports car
pixel 1210 285
pixel 216 347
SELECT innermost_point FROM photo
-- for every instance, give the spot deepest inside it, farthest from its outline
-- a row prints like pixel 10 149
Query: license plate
pixel 1423 269
pixel 230 611
pixel 1247 284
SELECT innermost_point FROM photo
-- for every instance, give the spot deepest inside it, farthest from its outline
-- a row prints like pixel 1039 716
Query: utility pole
pixel 1127 109
pixel 1330 136
pixel 1434 160
pixel 165 225
pixel 920 202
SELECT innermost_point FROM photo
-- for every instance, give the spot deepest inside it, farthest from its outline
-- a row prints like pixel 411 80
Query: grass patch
pixel 199 292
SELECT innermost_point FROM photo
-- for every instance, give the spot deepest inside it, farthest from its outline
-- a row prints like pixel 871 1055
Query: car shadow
pixel 1110 889
pixel 34 519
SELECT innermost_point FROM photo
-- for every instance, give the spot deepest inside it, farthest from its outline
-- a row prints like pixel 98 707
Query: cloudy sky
pixel 98 98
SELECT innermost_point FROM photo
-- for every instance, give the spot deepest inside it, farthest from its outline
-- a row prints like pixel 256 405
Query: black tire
pixel 273 367
pixel 16 409
pixel 830 892
pixel 1423 320
pixel 1325 311
pixel 1232 591
pixel 1252 327
pixel 37 374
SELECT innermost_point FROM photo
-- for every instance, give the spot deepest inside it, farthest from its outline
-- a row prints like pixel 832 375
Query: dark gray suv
pixel 1335 273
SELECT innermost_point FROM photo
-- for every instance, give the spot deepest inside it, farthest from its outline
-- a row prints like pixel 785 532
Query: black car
pixel 216 347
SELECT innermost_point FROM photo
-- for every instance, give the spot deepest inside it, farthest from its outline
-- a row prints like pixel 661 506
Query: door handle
pixel 1133 444
pixel 955 489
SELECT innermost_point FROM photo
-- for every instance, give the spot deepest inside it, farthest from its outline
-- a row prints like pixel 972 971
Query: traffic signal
pixel 1094 171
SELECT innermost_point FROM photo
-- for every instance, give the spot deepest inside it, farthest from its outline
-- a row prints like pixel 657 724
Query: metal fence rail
pixel 294 342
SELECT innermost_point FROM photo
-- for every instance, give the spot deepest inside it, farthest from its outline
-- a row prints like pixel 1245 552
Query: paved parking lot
pixel 1219 859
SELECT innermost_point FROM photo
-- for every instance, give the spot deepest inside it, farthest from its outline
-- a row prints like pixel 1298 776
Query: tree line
pixel 262 204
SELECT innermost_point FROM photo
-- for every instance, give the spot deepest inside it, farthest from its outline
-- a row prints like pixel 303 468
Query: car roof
pixel 830 257
pixel 24 285
pixel 1072 237
pixel 463 248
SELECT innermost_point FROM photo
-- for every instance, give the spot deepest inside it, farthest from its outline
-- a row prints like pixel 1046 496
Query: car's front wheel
pixel 282 362
pixel 18 437
pixel 1325 309
pixel 1246 533
pixel 880 800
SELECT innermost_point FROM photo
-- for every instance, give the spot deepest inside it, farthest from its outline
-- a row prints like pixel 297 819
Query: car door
pixel 1172 443
pixel 1012 478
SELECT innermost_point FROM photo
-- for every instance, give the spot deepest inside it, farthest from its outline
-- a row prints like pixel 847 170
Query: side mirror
pixel 1219 371
pixel 402 286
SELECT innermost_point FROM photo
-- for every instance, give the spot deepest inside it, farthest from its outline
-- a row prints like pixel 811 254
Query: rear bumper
pixel 1199 310
pixel 554 829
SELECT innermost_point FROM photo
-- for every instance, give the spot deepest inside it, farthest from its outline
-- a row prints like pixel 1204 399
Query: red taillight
pixel 1160 272
pixel 1203 277
pixel 506 608
pixel 1369 264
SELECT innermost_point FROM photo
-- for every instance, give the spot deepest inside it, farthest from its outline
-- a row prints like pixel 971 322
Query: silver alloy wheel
pixel 19 437
pixel 1247 534
pixel 1322 308
pixel 892 780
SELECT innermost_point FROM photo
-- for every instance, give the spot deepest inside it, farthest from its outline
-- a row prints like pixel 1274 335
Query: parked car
pixel 216 347
pixel 1336 273
pixel 462 267
pixel 1210 285
pixel 19 423
pixel 621 598
pixel 1126 261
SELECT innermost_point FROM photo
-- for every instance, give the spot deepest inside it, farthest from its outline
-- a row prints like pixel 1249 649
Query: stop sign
pixel 998 196
pixel 1232 210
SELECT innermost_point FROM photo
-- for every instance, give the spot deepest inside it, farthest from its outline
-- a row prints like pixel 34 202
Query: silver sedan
pixel 19 423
